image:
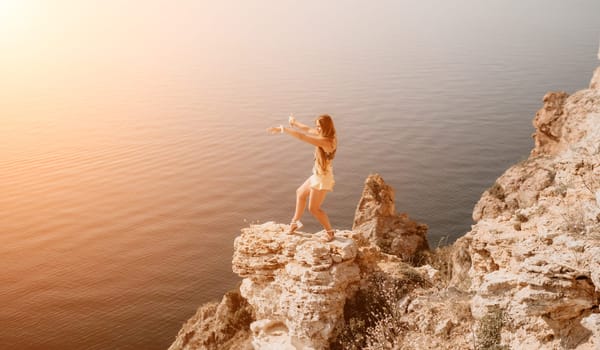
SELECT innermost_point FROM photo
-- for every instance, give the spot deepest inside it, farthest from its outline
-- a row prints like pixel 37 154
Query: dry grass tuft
pixel 373 316
pixel 441 260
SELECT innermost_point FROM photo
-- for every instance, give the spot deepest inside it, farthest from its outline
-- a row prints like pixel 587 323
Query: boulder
pixel 377 221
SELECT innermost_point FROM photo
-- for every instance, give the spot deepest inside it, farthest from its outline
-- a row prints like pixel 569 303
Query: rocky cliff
pixel 527 276
pixel 534 253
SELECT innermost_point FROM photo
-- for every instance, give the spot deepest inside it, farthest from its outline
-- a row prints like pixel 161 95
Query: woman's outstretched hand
pixel 292 120
pixel 274 130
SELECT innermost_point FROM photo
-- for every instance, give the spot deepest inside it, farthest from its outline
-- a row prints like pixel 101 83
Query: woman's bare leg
pixel 314 206
pixel 302 194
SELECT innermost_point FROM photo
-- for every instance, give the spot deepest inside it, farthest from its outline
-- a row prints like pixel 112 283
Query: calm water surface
pixel 134 147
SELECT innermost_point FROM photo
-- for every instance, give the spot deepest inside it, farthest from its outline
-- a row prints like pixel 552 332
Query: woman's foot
pixel 294 225
pixel 329 236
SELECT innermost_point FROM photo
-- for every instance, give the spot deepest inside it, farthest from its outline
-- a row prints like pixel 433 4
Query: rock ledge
pixel 296 284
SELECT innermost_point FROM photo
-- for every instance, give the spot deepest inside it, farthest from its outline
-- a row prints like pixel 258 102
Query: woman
pixel 315 188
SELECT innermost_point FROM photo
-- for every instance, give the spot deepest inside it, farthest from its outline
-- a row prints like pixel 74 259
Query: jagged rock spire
pixel 376 219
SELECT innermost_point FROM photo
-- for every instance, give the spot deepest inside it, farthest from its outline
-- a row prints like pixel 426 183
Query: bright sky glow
pixel 15 19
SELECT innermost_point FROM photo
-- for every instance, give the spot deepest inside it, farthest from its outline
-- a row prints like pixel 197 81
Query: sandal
pixel 294 225
pixel 330 236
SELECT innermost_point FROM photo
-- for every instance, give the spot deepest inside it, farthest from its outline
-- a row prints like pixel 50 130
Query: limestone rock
pixel 595 82
pixel 535 249
pixel 548 122
pixel 461 264
pixel 592 324
pixel 215 326
pixel 518 188
pixel 296 284
pixel 377 220
pixel 271 335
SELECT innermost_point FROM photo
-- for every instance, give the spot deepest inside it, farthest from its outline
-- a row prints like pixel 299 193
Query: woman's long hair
pixel 327 130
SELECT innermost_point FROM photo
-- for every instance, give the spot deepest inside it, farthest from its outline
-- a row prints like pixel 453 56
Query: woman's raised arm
pixel 319 141
pixel 307 129
pixel 326 143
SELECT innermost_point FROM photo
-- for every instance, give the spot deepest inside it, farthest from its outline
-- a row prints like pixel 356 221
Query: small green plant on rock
pixel 489 331
pixel 574 221
pixel 561 190
pixel 497 191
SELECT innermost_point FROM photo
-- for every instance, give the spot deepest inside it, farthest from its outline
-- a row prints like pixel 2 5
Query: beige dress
pixel 322 180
